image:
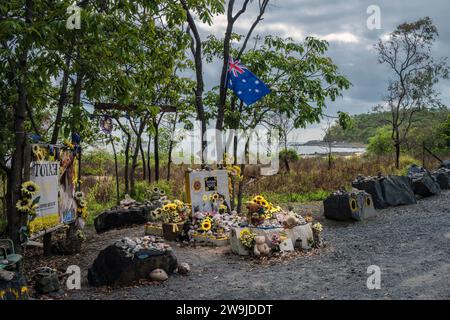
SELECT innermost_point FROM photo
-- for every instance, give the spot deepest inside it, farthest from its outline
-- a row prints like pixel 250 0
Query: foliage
pixel 366 125
pixel 381 142
pixel 289 155
pixel 407 53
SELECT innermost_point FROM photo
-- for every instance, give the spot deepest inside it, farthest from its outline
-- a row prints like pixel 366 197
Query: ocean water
pixel 311 150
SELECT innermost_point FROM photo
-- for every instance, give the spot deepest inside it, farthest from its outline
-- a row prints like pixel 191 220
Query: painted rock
pixel 184 268
pixel 158 275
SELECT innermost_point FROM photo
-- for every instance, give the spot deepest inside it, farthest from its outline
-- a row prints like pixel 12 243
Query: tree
pixel 407 53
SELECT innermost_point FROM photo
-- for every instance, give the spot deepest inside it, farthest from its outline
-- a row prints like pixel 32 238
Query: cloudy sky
pixel 343 24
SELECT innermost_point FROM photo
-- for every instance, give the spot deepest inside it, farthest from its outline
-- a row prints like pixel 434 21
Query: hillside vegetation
pixel 365 126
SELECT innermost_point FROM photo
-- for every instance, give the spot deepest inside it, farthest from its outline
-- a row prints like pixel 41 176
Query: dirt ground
pixel 410 244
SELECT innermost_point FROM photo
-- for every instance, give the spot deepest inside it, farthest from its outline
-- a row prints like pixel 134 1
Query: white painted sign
pixel 201 184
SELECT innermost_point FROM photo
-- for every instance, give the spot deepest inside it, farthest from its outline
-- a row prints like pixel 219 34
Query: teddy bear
pixel 261 246
pixel 291 221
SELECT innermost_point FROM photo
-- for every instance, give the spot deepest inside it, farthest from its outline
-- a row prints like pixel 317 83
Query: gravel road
pixel 410 244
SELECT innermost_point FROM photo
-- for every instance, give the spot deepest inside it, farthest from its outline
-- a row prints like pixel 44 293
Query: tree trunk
pixel 144 162
pixel 169 161
pixel 241 182
pixel 156 150
pixel 134 164
pixel 149 164
pixel 15 177
pixel 196 48
pixel 62 98
pixel 116 167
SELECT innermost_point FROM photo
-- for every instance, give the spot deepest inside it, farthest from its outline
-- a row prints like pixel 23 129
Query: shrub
pixel 289 155
pixel 381 142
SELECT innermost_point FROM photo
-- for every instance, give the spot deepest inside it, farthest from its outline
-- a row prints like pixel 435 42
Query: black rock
pixel 446 164
pixel 424 185
pixel 442 177
pixel 119 218
pixel 372 185
pixel 46 281
pixel 15 289
pixel 387 191
pixel 397 190
pixel 114 268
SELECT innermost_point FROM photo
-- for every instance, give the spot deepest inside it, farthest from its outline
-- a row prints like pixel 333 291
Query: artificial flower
pixel 317 226
pixel 29 188
pixel 206 225
pixel 24 205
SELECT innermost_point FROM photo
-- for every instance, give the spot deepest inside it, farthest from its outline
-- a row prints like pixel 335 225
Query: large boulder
pixel 119 218
pixel 128 261
pixel 372 185
pixel 446 164
pixel 442 177
pixel 342 205
pixel 397 190
pixel 424 184
pixel 387 190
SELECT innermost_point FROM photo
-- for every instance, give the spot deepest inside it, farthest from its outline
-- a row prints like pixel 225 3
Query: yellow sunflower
pixel 206 225
pixel 24 205
pixel 205 197
pixel 29 188
pixel 258 198
pixel 215 196
pixel 244 232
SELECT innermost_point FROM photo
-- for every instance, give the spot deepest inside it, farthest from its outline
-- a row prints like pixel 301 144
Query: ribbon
pixel 175 227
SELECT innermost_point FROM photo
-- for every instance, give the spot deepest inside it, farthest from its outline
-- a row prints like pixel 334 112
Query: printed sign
pixel 202 184
pixel 46 175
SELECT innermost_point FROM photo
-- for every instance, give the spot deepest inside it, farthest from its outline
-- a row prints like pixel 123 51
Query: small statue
pixel 261 247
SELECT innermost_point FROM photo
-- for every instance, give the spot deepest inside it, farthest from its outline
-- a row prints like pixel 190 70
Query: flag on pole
pixel 244 83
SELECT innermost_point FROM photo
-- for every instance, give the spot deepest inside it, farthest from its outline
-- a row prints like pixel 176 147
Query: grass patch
pixel 280 198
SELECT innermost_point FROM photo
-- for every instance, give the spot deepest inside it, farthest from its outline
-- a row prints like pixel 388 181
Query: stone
pixel 116 266
pixel 286 246
pixel 113 219
pixel 397 190
pixel 184 268
pixel 371 185
pixel 424 184
pixel 442 177
pixel 46 281
pixel 6 275
pixel 158 275
pixel 445 164
pixel 235 243
pixel 300 236
pixel 387 191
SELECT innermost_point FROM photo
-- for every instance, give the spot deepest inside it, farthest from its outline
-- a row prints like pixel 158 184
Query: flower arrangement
pixel 317 227
pixel 209 224
pixel 259 210
pixel 81 205
pixel 247 238
pixel 26 205
pixel 171 212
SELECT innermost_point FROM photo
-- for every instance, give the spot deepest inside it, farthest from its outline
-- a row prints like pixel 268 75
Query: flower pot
pixel 171 231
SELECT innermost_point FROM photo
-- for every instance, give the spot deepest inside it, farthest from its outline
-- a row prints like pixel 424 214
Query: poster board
pixel 55 171
pixel 200 183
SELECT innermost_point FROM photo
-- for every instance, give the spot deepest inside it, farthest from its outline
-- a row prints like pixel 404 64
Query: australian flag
pixel 245 84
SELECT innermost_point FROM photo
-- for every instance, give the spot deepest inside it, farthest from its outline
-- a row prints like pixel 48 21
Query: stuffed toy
pixel 261 246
